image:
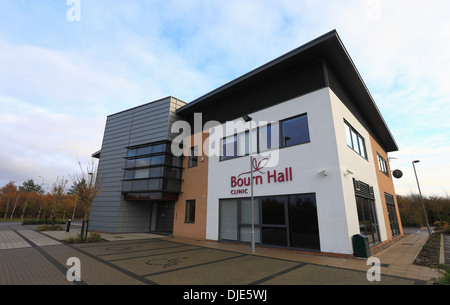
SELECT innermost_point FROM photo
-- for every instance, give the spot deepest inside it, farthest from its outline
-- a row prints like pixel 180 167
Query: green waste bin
pixel 361 246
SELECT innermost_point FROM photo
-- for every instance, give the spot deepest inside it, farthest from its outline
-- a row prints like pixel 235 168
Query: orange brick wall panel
pixel 386 185
pixel 194 187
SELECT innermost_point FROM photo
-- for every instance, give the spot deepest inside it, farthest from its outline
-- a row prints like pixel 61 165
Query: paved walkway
pixel 29 257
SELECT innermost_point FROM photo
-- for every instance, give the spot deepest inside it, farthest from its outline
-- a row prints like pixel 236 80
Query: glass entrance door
pixel 287 221
pixel 368 222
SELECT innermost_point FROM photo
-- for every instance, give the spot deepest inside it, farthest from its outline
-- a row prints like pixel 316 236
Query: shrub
pixel 49 228
pixel 442 225
pixel 42 221
pixel 93 237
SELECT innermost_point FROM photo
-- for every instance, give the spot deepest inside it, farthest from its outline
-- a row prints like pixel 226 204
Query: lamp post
pixel 421 198
pixel 249 120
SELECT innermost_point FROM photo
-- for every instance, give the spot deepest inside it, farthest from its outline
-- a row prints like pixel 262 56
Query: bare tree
pixel 86 184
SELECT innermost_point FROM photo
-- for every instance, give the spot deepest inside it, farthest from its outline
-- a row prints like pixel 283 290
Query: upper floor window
pixel 288 132
pixel 294 131
pixel 382 165
pixel 355 140
pixel 150 168
pixel 193 157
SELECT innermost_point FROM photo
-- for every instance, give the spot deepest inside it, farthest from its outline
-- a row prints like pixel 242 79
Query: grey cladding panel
pixel 141 125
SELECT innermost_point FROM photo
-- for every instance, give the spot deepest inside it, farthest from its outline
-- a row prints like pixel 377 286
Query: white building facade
pixel 320 166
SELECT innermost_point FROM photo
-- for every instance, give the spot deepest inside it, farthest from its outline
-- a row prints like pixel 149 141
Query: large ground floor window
pixel 286 221
pixel 368 222
pixel 393 219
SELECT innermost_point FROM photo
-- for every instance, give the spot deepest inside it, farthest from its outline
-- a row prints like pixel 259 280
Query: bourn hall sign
pixel 241 182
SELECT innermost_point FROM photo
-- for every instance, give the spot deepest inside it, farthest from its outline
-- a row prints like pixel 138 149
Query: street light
pixel 421 198
pixel 248 119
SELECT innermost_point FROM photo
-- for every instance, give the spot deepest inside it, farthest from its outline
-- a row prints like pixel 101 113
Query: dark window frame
pixel 193 157
pixel 281 144
pixel 355 136
pixel 382 165
pixel 282 138
pixel 157 178
pixel 392 214
pixel 189 215
pixel 263 227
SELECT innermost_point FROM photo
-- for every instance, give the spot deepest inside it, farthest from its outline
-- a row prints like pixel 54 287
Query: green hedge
pixel 42 221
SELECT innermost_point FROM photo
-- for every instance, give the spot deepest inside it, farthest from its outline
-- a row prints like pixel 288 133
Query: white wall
pixel 305 159
pixel 364 170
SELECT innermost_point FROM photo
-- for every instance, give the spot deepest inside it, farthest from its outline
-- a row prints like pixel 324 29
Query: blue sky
pixel 59 79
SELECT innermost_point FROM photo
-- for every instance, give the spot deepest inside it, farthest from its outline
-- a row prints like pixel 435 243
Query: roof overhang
pixel 328 47
pixel 96 154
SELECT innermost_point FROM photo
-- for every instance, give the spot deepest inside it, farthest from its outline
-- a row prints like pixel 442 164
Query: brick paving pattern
pixel 30 257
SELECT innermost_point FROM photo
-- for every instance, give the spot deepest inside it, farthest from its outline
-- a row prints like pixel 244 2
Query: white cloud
pixel 36 142
pixel 62 82
pixel 124 54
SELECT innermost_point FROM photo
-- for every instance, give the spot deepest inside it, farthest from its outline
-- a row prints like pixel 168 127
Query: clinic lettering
pixel 240 184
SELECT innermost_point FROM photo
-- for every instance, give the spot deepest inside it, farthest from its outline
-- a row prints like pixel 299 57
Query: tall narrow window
pixel 243 144
pixel 382 165
pixel 193 158
pixel 393 219
pixel 368 223
pixel 190 211
pixel 229 147
pixel 269 137
pixel 355 141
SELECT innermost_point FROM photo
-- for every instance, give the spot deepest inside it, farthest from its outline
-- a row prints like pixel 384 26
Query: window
pixel 286 133
pixel 238 145
pixel 142 162
pixel 294 131
pixel 382 165
pixel 141 173
pixel 269 137
pixel 245 232
pixel 228 223
pixel 193 158
pixel 190 211
pixel 150 168
pixel 229 147
pixel 355 141
pixel 144 151
pixel 368 223
pixel 243 144
pixel 287 220
pixel 393 219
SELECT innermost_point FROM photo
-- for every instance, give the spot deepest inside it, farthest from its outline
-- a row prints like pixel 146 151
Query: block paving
pixel 32 258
